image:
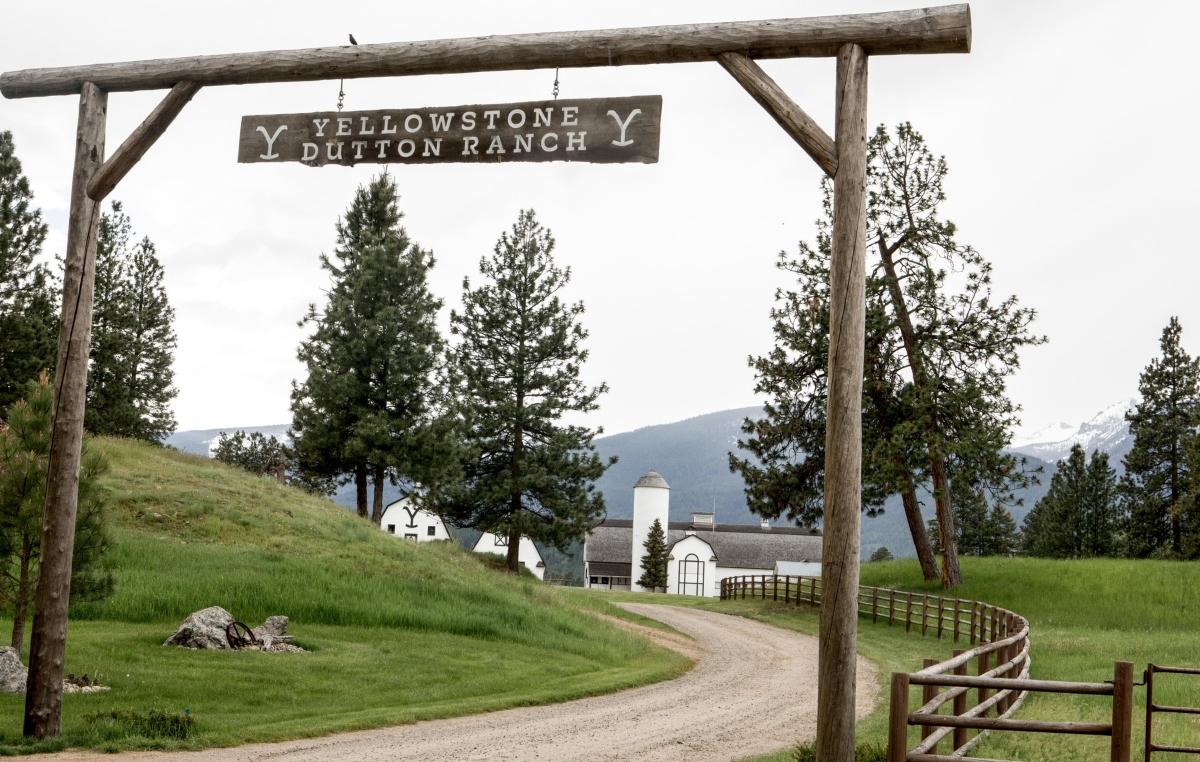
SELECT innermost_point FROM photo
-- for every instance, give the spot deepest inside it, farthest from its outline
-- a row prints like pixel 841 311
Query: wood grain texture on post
pixel 944 29
pixel 43 697
pixel 843 433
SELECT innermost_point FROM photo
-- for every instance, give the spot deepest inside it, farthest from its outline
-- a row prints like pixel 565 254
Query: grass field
pixel 397 631
pixel 1084 616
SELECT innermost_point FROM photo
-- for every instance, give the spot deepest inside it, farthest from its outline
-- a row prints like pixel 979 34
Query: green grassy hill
pixel 397 631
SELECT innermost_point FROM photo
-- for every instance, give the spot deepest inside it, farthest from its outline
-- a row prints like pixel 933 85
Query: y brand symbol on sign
pixel 595 130
pixel 624 125
pixel 271 141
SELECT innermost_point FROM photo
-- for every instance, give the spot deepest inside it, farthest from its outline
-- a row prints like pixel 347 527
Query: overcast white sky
pixel 1069 131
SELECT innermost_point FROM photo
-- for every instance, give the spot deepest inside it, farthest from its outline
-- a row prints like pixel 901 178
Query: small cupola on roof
pixel 652 479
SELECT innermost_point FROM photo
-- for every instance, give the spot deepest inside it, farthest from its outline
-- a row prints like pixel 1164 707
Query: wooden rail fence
pixel 994 672
pixel 1153 708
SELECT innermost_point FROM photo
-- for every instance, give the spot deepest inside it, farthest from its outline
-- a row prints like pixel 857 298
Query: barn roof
pixel 738 545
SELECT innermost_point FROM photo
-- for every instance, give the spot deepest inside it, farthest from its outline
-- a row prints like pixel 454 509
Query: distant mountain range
pixel 693 456
pixel 1106 431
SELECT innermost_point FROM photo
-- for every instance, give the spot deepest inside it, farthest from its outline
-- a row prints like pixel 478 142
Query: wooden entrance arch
pixel 735 45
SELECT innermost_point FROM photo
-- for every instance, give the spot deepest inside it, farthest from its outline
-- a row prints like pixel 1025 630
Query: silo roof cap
pixel 652 479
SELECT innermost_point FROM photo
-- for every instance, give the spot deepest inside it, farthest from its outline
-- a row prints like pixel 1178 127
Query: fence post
pixel 1122 716
pixel 891 607
pixel 1149 710
pixel 874 605
pixel 957 607
pixel 960 707
pixel 775 588
pixel 898 719
pixel 925 615
pixel 908 614
pixel 974 605
pixel 941 615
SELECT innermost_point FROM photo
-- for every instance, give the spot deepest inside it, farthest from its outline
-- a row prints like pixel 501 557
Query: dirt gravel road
pixel 753 690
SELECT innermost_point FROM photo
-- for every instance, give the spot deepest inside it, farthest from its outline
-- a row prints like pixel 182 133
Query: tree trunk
pixel 514 551
pixel 48 644
pixel 951 571
pixel 21 607
pixel 360 488
pixel 377 499
pixel 916 527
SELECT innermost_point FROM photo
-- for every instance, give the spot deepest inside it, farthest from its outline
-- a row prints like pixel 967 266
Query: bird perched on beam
pixel 353 41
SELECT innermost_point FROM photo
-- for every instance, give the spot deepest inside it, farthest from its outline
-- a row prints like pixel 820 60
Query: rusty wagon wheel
pixel 239 635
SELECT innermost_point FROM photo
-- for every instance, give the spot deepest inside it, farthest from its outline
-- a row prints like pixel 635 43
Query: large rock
pixel 276 626
pixel 203 629
pixel 273 633
pixel 12 671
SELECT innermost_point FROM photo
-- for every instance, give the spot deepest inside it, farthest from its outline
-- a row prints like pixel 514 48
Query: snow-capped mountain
pixel 1106 431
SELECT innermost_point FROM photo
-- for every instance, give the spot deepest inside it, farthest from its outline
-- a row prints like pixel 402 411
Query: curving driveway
pixel 753 690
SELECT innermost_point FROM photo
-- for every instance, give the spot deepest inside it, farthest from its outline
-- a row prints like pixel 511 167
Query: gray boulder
pixel 273 632
pixel 276 626
pixel 12 671
pixel 203 629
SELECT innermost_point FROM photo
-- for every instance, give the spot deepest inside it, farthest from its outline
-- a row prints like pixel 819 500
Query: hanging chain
pixel 341 93
pixel 555 90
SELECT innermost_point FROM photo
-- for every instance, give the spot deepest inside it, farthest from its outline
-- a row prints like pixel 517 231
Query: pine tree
pixel 938 353
pixel 654 562
pixel 880 554
pixel 1079 516
pixel 254 452
pixel 369 406
pixel 130 378
pixel 517 368
pixel 28 298
pixel 24 454
pixel 1003 537
pixel 1158 483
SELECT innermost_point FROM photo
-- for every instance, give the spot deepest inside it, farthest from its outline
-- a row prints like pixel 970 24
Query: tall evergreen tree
pixel 130 378
pixel 24 457
pixel 254 452
pixel 980 529
pixel 1079 516
pixel 369 406
pixel 518 366
pixel 938 352
pixel 28 298
pixel 1157 485
pixel 654 563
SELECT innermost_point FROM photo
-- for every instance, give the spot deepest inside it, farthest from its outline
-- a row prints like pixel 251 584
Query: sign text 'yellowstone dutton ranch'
pixel 598 130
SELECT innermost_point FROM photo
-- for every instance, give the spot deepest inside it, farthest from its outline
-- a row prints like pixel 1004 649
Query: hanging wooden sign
pixel 597 130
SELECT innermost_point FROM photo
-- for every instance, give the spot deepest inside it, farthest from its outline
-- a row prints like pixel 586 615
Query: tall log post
pixel 47 652
pixel 843 433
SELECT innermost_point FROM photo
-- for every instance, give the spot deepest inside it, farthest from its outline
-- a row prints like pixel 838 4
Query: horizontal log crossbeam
pixel 943 29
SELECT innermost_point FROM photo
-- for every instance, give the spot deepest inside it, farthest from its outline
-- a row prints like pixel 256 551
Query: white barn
pixel 404 518
pixel 527 552
pixel 701 552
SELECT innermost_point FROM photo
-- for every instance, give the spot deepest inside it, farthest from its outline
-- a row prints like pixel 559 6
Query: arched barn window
pixel 691 575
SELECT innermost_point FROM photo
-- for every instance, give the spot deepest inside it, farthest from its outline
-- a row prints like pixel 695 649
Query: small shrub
pixel 151 724
pixel 863 753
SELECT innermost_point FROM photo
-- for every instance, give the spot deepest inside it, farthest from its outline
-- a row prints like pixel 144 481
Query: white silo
pixel 651 500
